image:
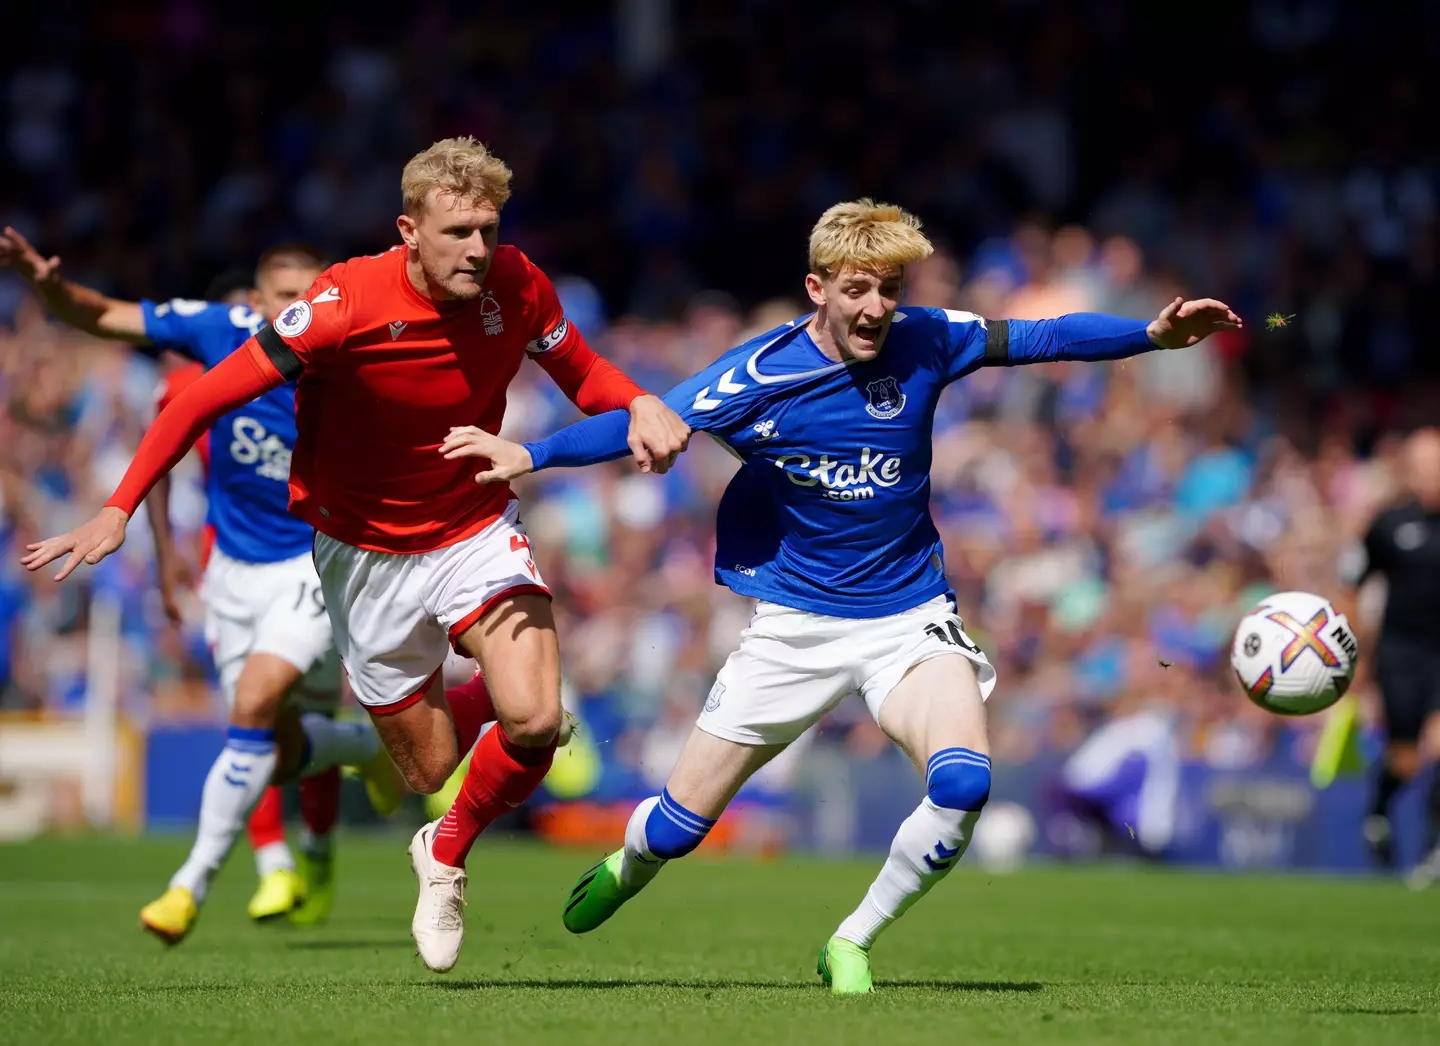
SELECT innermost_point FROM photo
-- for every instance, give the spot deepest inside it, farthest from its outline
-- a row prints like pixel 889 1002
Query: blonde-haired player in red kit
pixel 391 352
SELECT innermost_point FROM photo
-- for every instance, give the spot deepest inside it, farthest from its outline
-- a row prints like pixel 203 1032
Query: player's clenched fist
pixel 657 434
pixel 507 460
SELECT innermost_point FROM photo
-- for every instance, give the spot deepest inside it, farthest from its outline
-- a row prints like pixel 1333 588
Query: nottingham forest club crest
pixel 490 314
pixel 885 398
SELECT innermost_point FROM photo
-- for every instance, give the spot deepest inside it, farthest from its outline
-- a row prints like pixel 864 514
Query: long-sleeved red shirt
pixel 383 373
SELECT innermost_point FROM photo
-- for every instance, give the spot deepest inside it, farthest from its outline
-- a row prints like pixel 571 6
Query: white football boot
pixel 439 923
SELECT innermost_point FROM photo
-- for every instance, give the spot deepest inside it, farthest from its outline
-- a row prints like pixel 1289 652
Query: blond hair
pixel 865 236
pixel 460 167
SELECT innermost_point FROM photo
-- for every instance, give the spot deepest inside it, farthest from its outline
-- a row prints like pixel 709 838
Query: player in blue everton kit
pixel 827 525
pixel 265 618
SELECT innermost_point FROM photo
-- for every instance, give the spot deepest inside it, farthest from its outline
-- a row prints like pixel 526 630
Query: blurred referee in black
pixel 1403 547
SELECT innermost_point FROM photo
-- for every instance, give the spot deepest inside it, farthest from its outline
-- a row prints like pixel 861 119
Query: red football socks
pixel 502 775
pixel 320 800
pixel 471 708
pixel 267 820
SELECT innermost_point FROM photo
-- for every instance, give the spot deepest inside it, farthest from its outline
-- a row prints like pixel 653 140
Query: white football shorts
pixel 270 608
pixel 396 616
pixel 793 666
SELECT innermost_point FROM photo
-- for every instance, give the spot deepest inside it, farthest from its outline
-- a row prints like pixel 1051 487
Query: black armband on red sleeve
pixel 281 355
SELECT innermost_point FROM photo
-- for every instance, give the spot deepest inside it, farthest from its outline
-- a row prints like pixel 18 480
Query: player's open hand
pixel 507 460
pixel 1183 323
pixel 17 254
pixel 89 543
pixel 657 434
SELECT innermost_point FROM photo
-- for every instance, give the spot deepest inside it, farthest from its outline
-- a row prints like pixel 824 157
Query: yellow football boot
pixel 172 916
pixel 279 892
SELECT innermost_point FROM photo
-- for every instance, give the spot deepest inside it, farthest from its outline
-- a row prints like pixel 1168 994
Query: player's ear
pixel 815 287
pixel 406 225
pixel 253 299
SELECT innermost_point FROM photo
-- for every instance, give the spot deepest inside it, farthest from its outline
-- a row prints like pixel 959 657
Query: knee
pixel 426 779
pixel 958 779
pixel 256 705
pixel 426 771
pixel 535 729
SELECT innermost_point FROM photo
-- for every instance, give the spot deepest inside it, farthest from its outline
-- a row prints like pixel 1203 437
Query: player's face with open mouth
pixel 456 240
pixel 859 308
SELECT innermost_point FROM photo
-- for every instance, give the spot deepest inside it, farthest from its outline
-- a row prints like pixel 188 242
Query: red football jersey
pixel 385 372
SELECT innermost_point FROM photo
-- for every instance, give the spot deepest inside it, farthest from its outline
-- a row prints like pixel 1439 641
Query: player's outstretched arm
pixel 595 385
pixel 80 307
pixel 1092 336
pixel 240 377
pixel 605 437
pixel 601 438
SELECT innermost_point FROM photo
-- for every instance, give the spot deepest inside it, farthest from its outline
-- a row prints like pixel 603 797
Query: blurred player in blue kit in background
pixel 265 621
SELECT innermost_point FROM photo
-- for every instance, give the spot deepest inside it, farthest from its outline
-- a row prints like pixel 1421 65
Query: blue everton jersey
pixel 248 487
pixel 831 511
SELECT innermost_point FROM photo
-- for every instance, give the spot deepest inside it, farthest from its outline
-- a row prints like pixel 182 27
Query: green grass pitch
pixel 716 951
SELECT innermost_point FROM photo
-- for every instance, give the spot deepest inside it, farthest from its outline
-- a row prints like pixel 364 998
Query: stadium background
pixel 669 162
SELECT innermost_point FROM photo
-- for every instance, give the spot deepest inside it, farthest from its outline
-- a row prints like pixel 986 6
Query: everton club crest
pixel 885 398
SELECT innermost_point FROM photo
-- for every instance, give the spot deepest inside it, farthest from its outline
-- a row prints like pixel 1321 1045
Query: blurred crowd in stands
pixel 1105 526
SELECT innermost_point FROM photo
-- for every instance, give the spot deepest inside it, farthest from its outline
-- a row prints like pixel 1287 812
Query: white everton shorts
pixel 793 666
pixel 396 615
pixel 270 608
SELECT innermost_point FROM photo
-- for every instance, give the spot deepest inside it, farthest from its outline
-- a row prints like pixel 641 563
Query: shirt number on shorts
pixel 950 632
pixel 313 594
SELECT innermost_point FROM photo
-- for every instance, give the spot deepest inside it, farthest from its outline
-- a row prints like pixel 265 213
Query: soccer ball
pixel 1003 837
pixel 1294 654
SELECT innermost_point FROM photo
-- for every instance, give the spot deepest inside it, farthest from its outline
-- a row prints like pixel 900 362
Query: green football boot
pixel 844 966
pixel 319 874
pixel 597 895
